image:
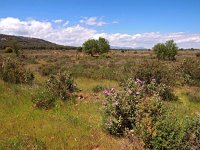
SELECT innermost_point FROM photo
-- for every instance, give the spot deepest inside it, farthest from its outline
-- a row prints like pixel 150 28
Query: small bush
pixel 62 85
pixel 8 50
pixel 46 70
pixel 98 88
pixel 169 134
pixel 14 72
pixel 157 70
pixel 194 95
pixel 191 138
pixel 43 100
pixel 190 70
pixel 198 54
pixel 164 91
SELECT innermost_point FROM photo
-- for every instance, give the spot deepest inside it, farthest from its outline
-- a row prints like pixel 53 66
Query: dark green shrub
pixel 198 54
pixel 93 46
pixel 190 70
pixel 157 70
pixel 14 72
pixel 79 49
pixel 166 51
pixel 8 50
pixel 148 113
pixel 43 99
pixel 46 70
pixel 62 85
pixel 103 45
pixel 169 134
pixel 97 88
pixel 191 139
pixel 90 47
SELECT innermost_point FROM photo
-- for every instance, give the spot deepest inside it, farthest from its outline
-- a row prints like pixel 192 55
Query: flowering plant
pixel 121 107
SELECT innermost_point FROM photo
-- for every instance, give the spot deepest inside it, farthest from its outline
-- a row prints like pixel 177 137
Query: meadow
pixel 78 123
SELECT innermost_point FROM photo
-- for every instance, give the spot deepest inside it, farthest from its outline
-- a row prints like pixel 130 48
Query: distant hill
pixel 29 43
pixel 128 48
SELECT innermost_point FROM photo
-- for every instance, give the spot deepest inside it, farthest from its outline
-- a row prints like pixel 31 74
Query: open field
pixel 77 124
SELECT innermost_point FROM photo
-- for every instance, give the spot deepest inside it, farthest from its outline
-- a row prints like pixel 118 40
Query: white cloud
pixel 58 21
pixel 77 34
pixel 66 23
pixel 93 21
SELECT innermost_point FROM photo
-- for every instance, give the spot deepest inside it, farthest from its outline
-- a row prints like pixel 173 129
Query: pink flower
pixel 108 92
pixel 130 92
pixel 138 80
pixel 137 93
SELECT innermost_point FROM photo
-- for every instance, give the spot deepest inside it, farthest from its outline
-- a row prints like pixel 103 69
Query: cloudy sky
pixel 125 23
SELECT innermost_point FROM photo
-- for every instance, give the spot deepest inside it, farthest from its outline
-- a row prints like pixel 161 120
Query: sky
pixel 125 23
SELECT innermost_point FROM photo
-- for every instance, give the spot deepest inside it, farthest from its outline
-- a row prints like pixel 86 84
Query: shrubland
pixel 140 92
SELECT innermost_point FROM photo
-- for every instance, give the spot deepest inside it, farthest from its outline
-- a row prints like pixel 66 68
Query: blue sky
pixel 125 23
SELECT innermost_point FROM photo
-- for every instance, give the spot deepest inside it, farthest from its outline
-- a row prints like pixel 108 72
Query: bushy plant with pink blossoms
pixel 121 106
pixel 138 111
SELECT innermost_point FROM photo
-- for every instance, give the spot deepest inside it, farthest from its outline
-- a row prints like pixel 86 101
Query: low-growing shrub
pixel 198 54
pixel 194 95
pixel 46 70
pixel 191 138
pixel 169 134
pixel 14 72
pixel 8 50
pixel 164 91
pixel 62 85
pixel 153 69
pixel 190 69
pixel 97 88
pixel 43 99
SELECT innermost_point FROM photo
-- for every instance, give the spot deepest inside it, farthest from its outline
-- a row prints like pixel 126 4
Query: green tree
pixel 93 46
pixel 166 51
pixel 104 45
pixel 90 46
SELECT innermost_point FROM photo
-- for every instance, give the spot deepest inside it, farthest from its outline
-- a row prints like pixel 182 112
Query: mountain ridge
pixel 29 43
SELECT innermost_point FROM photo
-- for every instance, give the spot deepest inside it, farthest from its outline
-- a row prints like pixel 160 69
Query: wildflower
pixel 112 90
pixel 107 92
pixel 137 93
pixel 116 103
pixel 130 91
pixel 138 80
